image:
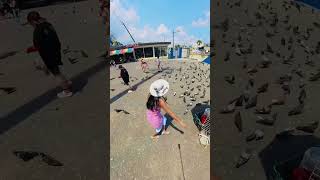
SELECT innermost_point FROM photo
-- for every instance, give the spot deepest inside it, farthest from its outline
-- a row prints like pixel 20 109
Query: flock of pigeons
pixel 189 82
pixel 283 38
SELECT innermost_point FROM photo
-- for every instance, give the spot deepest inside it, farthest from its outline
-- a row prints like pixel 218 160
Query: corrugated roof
pixel 139 44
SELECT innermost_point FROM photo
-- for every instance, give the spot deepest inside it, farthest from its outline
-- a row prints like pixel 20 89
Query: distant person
pixel 14 8
pixel 47 43
pixel 144 65
pixel 159 63
pixel 125 77
pixel 113 63
pixel 156 102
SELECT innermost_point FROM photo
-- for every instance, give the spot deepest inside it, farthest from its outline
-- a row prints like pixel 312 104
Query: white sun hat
pixel 159 88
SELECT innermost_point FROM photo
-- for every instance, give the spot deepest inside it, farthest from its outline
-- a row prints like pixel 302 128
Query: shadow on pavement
pixel 12 119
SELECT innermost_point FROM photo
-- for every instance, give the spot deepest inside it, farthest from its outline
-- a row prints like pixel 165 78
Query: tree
pixel 199 42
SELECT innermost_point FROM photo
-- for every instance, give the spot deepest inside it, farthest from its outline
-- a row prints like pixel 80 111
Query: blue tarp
pixel 313 3
pixel 207 60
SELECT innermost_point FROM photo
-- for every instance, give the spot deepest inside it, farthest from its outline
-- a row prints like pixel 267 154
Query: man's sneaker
pixel 130 91
pixel 64 94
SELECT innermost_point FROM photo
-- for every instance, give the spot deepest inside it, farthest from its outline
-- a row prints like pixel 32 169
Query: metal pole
pixel 173 43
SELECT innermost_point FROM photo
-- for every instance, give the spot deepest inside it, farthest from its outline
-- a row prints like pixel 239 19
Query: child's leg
pixel 158 133
pixel 164 120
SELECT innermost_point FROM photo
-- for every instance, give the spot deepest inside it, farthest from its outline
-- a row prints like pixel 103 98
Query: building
pixel 140 50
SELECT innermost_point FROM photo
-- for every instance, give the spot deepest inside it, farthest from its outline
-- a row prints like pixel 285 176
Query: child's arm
pixel 167 109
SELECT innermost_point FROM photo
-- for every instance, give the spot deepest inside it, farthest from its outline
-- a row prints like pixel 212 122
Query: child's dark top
pixel 125 75
pixel 46 40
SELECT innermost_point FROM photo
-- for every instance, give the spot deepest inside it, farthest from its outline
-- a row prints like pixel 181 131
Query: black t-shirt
pixel 46 40
pixel 124 74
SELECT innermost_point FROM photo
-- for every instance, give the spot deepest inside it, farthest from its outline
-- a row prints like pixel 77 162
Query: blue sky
pixel 154 20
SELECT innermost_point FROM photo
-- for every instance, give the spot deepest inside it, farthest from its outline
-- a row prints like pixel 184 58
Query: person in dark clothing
pixel 47 43
pixel 125 77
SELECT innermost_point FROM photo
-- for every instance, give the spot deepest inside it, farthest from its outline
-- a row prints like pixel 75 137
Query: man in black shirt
pixel 125 77
pixel 46 42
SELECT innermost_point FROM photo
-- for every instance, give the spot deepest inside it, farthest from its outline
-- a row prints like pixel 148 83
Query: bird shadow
pixel 169 123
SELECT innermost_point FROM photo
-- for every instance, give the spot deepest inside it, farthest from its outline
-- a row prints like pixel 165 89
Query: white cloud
pixel 202 21
pixel 128 15
pixel 162 29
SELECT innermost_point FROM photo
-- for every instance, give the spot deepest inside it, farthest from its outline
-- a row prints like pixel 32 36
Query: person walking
pixel 159 64
pixel 47 43
pixel 125 77
pixel 14 9
pixel 157 102
pixel 144 65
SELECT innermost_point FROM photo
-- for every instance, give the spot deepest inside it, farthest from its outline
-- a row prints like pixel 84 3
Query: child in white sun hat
pixel 155 104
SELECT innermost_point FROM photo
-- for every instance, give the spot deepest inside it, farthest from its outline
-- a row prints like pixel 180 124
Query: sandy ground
pixel 133 154
pixel 71 130
pixel 227 141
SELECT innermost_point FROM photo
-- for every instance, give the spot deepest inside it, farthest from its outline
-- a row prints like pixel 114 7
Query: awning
pixel 121 51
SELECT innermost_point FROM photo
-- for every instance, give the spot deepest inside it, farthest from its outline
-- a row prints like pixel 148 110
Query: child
pixel 159 64
pixel 125 77
pixel 144 65
pixel 155 103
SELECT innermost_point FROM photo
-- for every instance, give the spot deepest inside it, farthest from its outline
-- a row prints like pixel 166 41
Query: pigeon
pixel 239 101
pixel 259 134
pixel 251 82
pixel 267 121
pixel 26 155
pixel 264 110
pixel 243 159
pixel 230 79
pixel 256 135
pixel 124 111
pixel 244 64
pixel 315 77
pixel 238 121
pixel 302 96
pixel 252 102
pixel 72 60
pixel 227 58
pixel 263 88
pixel 286 87
pixel 252 70
pixel 309 128
pixel 296 110
pixel 265 63
pixel 186 111
pixel 190 104
pixel 279 101
pixel 283 41
pixel 269 49
pixel 229 109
